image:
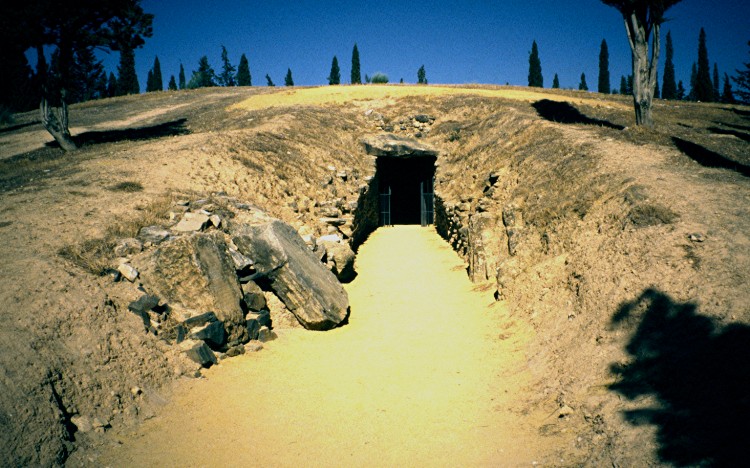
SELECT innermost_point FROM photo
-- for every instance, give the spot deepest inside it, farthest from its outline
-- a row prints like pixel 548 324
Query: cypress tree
pixel 356 76
pixel 172 86
pixel 555 82
pixel 127 81
pixel 669 89
pixel 368 80
pixel 629 89
pixel 334 77
pixel 680 91
pixel 226 78
pixel 693 82
pixel 704 90
pixel 604 68
pixel 535 68
pixel 582 86
pixel 243 73
pixel 158 82
pixel 726 96
pixel 86 76
pixel 623 85
pixel 657 92
pixel 288 81
pixel 717 93
pixel 269 81
pixel 150 81
pixel 182 77
pixel 111 85
pixel 421 75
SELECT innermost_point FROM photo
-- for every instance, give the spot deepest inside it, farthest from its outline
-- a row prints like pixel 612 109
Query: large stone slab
pixel 197 273
pixel 307 288
pixel 391 145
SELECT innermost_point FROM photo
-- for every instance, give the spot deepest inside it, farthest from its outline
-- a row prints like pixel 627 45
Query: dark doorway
pixel 406 190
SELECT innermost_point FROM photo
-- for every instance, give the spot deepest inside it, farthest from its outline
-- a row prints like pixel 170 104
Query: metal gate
pixel 385 207
pixel 427 202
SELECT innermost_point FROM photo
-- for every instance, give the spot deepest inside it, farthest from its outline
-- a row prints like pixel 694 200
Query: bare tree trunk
pixel 644 69
pixel 55 119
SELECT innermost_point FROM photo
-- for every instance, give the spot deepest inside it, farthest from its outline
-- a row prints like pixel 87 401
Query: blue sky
pixel 457 41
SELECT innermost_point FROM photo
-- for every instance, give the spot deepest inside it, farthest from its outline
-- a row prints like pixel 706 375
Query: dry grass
pixel 96 256
pixel 386 94
pixel 127 186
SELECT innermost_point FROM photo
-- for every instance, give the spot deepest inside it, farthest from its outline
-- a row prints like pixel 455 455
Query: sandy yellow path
pixel 429 372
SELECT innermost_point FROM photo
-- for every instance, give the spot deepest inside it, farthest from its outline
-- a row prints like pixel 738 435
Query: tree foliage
pixel 269 81
pixel 582 86
pixel 226 77
pixel 243 73
pixel 172 86
pixel 288 80
pixel 356 77
pixel 643 20
pixel 555 82
pixel 421 75
pixel 535 67
pixel 603 86
pixel 182 82
pixel 111 85
pixel 717 84
pixel 334 77
pixel 669 87
pixel 204 77
pixel 742 80
pixel 379 78
pixel 155 82
pixel 704 88
pixel 727 96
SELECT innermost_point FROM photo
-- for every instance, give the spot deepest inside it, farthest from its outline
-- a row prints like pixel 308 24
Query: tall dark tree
pixel 288 80
pixel 623 85
pixel 555 82
pixel 680 91
pixel 582 85
pixel 17 81
pixel 226 77
pixel 204 77
pixel 172 86
pixel 356 75
pixel 726 96
pixel 269 81
pixel 704 89
pixel 535 67
pixel 717 92
pixel 603 68
pixel 150 81
pixel 66 28
pixel 127 80
pixel 111 85
pixel 669 87
pixel 421 75
pixel 643 20
pixel 87 74
pixel 657 91
pixel 742 80
pixel 694 82
pixel 243 73
pixel 182 83
pixel 334 77
pixel 158 84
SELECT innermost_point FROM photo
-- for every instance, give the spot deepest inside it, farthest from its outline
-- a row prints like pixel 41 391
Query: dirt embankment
pixel 629 251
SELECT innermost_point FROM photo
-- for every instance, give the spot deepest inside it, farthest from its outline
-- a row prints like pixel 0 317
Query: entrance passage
pixel 406 190
pixel 418 377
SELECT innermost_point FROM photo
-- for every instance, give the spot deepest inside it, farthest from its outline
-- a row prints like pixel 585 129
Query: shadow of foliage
pixel 744 128
pixel 708 158
pixel 17 127
pixel 724 131
pixel 741 112
pixel 563 112
pixel 698 372
pixel 173 128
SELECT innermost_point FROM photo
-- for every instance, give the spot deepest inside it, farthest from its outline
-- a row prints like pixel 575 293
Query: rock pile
pixel 207 274
pixel 416 125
